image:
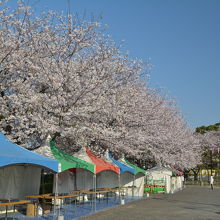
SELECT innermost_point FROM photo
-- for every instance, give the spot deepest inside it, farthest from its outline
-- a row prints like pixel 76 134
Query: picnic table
pixel 7 203
pixel 100 191
pixel 46 206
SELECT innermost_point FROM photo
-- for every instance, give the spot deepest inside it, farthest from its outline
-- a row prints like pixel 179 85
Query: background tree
pixel 210 141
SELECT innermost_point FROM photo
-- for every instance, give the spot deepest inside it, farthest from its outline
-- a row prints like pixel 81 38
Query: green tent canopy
pixel 67 161
pixel 136 168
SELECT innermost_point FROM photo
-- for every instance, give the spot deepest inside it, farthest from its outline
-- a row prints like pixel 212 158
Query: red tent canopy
pixel 101 164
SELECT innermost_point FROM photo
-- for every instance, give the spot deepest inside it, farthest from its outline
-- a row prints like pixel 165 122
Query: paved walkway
pixel 192 203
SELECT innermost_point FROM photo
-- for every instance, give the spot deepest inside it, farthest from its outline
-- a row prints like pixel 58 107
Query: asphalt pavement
pixel 192 203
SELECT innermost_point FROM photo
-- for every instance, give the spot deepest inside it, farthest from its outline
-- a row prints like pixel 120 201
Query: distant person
pixel 211 181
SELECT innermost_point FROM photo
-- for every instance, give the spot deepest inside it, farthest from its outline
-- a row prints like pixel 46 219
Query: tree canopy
pixel 204 129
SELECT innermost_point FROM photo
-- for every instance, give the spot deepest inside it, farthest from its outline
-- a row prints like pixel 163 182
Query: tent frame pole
pixel 119 184
pixel 94 194
pixel 133 185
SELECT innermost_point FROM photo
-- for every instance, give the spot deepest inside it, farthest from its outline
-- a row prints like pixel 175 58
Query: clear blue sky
pixel 180 37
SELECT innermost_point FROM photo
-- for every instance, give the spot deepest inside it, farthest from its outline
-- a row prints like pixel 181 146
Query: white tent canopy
pixel 160 175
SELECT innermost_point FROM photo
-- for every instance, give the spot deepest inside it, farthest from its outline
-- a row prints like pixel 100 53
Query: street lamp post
pixel 211 161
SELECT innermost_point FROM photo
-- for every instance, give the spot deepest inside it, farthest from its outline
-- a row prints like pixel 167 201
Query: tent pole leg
pixel 94 194
pixel 56 193
pixel 92 197
pixel 119 184
pixel 133 187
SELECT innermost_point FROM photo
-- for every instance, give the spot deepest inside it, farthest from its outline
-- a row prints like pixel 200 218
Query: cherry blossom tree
pixel 65 78
pixel 212 139
pixel 56 76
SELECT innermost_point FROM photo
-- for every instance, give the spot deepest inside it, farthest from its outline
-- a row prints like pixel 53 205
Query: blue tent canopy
pixel 11 153
pixel 122 166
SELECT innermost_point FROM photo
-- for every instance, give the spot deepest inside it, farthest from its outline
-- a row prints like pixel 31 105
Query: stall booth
pixel 85 178
pixel 107 175
pixel 180 180
pixel 81 171
pixel 139 178
pixel 176 181
pixel 133 176
pixel 127 173
pixel 20 171
pixel 159 179
pixel 76 173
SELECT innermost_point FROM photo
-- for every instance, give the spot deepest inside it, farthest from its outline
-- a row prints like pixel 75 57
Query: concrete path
pixel 192 203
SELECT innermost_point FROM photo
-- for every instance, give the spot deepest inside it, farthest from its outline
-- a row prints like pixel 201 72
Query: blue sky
pixel 181 38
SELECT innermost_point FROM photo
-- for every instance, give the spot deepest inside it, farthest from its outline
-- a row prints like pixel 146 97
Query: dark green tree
pixel 210 157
